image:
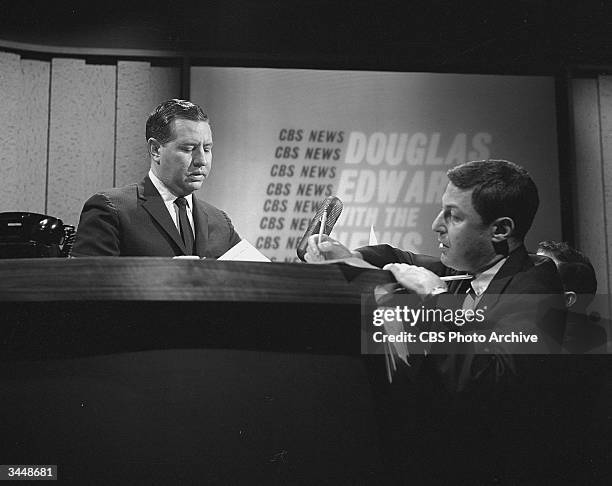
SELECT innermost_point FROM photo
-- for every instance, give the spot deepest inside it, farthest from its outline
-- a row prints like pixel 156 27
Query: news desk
pixel 161 371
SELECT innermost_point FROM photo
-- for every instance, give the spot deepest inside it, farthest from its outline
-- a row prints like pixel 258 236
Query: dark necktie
pixel 460 287
pixel 184 225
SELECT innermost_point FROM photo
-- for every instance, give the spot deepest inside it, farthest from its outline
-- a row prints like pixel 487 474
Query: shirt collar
pixel 166 193
pixel 481 281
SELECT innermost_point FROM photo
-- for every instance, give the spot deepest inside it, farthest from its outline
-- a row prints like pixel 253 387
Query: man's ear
pixel 154 148
pixel 502 229
pixel 570 298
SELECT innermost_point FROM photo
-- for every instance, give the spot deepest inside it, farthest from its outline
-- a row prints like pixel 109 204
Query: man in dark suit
pixel 487 209
pixel 160 216
pixel 475 413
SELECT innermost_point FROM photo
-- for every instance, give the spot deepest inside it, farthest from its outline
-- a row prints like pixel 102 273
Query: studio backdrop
pixel 284 139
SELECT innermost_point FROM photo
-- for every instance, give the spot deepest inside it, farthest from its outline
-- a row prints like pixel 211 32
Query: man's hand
pixel 329 249
pixel 417 279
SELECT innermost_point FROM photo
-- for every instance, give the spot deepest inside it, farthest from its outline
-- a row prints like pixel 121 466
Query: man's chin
pixel 444 258
pixel 194 185
pixel 450 263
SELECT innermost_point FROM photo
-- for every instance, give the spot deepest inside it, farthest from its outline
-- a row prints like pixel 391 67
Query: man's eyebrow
pixel 188 141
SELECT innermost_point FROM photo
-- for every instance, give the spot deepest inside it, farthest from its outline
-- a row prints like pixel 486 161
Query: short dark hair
pixel 575 268
pixel 579 278
pixel 160 120
pixel 563 252
pixel 501 188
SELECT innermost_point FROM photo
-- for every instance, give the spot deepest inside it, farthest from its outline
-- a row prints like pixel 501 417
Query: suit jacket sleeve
pixel 221 232
pixel 380 255
pixel 98 230
pixel 234 237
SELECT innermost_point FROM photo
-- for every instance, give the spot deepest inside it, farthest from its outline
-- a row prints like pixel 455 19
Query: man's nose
pixel 199 157
pixel 438 223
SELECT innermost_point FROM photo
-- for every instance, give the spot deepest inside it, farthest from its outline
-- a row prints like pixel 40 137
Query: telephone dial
pixel 32 235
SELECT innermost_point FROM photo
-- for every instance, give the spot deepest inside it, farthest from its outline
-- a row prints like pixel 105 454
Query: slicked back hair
pixel 159 123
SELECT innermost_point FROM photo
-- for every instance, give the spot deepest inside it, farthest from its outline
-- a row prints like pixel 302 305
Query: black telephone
pixel 32 235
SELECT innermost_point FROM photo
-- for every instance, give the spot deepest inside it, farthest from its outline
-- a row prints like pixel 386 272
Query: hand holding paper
pixel 327 249
pixel 417 279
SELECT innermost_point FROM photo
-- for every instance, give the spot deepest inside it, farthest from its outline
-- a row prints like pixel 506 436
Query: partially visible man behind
pixel 582 333
pixel 587 394
pixel 160 215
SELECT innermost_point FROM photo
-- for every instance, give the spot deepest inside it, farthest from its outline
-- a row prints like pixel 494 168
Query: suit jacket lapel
pixel 200 220
pixel 153 203
pixel 514 264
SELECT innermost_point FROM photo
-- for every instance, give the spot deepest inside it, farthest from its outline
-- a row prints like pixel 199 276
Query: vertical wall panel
pixel 140 88
pixel 24 114
pixel 10 101
pixel 34 122
pixel 133 106
pixel 589 215
pixel 605 110
pixel 165 84
pixel 82 135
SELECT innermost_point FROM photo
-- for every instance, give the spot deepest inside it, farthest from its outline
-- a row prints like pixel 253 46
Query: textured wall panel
pixel 81 135
pixel 24 114
pixel 34 135
pixel 133 106
pixel 11 80
pixel 605 111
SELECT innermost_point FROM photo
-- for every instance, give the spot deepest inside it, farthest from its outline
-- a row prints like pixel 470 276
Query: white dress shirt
pixel 169 199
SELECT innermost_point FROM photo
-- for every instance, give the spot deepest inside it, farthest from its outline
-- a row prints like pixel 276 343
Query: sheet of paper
pixel 244 252
pixel 396 348
pixel 373 240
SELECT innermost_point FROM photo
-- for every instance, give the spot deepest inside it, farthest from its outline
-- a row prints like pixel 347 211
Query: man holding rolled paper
pixel 487 209
pixel 480 413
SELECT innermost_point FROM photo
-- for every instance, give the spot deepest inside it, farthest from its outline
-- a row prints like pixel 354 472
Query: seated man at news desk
pixel 472 413
pixel 487 209
pixel 160 215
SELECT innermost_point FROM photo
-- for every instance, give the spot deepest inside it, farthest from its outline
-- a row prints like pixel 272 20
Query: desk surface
pixel 146 279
